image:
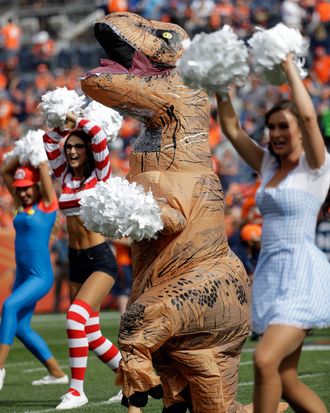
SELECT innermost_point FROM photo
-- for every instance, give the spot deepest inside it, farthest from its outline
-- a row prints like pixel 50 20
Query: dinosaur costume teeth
pixel 189 312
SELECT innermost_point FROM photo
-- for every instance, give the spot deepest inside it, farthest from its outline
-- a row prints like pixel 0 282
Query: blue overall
pixel 34 278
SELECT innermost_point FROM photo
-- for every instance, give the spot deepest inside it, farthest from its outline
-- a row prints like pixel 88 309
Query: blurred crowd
pixel 30 67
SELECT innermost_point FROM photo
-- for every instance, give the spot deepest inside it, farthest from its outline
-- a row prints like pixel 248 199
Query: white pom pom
pixel 270 47
pixel 118 208
pixel 32 148
pixel 57 103
pixel 10 155
pixel 108 119
pixel 29 149
pixel 215 61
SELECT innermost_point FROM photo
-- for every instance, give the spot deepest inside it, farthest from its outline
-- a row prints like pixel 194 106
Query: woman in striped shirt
pixel 79 164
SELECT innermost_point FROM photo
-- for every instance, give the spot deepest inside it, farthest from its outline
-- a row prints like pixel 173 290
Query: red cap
pixel 25 176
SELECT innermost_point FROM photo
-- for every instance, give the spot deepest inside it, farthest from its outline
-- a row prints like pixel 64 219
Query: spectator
pixel 292 14
pixel 123 284
pixel 7 110
pixel 11 34
pixel 43 49
pixel 321 65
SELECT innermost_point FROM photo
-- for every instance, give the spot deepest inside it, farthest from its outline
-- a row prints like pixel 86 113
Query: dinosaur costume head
pixel 140 80
pixel 189 312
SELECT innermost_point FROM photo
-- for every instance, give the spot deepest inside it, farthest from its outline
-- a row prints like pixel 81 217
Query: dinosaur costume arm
pixel 174 221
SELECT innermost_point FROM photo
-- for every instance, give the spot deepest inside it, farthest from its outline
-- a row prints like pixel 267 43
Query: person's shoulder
pixel 268 161
pixel 324 169
pixel 52 207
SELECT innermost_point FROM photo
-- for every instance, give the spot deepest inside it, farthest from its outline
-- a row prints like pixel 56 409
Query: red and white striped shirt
pixel 72 187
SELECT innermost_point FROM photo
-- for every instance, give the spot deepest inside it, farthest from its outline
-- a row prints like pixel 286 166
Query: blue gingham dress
pixel 292 278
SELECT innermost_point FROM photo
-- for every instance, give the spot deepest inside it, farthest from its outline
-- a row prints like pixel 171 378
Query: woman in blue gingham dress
pixel 292 273
pixel 292 276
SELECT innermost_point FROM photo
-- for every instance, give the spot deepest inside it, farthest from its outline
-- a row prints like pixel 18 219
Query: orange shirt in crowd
pixel 43 79
pixel 123 254
pixel 323 9
pixel 11 36
pixel 224 9
pixel 3 81
pixel 214 133
pixel 6 112
pixel 321 68
pixel 117 5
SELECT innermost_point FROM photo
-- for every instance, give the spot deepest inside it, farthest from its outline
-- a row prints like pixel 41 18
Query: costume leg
pixel 210 369
pixel 30 338
pixel 78 314
pixel 175 386
pixel 141 333
pixel 24 296
pixel 105 350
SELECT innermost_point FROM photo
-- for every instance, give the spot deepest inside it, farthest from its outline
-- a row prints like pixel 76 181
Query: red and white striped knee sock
pixel 105 350
pixel 77 316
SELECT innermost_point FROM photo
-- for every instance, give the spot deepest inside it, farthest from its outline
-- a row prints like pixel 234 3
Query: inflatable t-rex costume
pixel 189 313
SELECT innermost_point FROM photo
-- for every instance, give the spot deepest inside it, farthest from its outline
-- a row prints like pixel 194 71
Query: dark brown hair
pixel 281 105
pixel 90 161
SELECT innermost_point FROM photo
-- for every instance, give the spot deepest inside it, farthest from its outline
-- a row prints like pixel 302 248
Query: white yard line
pixel 47 318
pixel 92 404
pixel 42 368
pixel 241 384
pixel 306 347
pixel 301 376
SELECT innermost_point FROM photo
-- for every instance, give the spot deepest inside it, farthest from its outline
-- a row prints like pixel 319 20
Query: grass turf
pixel 18 395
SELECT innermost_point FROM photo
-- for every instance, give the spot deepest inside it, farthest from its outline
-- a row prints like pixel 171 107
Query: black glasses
pixel 78 146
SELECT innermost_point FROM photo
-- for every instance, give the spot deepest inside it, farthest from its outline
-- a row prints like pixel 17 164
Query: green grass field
pixel 18 395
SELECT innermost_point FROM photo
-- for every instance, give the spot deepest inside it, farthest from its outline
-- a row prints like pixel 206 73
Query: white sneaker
pixel 69 401
pixel 2 377
pixel 51 380
pixel 117 398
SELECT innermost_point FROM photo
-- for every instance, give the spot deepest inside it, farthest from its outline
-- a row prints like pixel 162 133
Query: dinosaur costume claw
pixel 189 312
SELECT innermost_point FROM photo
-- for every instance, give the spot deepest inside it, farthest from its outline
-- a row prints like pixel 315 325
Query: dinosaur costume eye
pixel 167 35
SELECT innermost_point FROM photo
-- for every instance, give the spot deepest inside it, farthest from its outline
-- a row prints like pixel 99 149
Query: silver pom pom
pixel 118 208
pixel 215 61
pixel 108 119
pixel 270 47
pixel 57 103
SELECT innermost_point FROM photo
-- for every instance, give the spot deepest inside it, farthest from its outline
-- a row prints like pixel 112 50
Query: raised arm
pixel 7 171
pixel 312 137
pixel 249 150
pixel 55 152
pixel 47 187
pixel 98 145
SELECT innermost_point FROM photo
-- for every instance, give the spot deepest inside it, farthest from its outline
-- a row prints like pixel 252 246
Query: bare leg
pixel 122 303
pixel 301 398
pixel 276 344
pixel 53 367
pixel 73 289
pixel 95 289
pixel 4 351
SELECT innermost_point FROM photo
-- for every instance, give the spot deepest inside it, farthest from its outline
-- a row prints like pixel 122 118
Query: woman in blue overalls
pixel 36 206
